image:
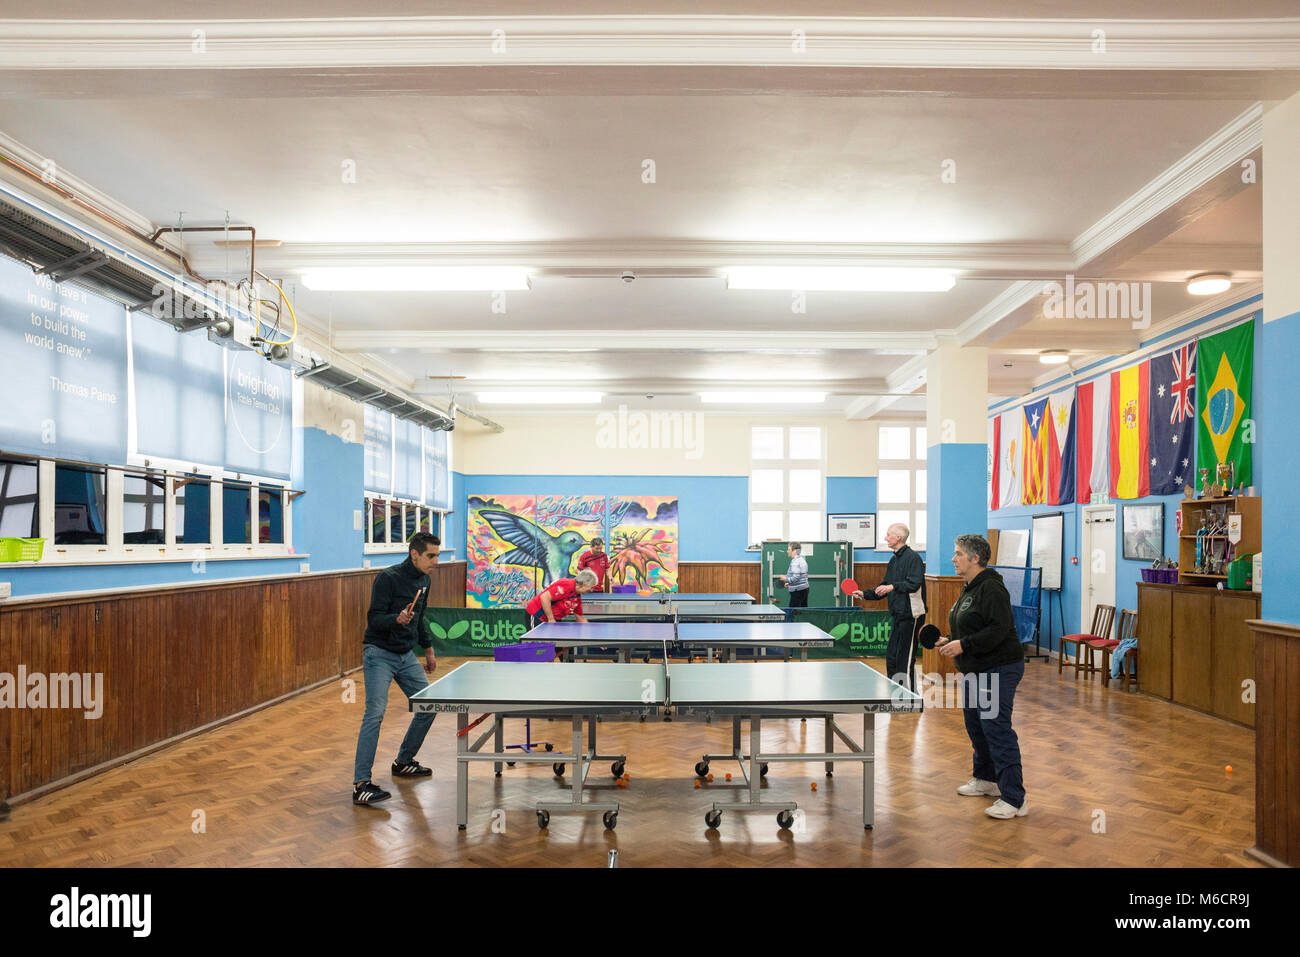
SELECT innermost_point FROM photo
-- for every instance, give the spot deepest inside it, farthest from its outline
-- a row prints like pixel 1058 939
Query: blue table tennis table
pixel 682 639
pixel 583 691
pixel 676 610
pixel 729 598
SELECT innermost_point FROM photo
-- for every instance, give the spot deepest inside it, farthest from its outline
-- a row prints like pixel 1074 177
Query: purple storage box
pixel 1171 576
pixel 525 651
pixel 624 590
pixel 1148 574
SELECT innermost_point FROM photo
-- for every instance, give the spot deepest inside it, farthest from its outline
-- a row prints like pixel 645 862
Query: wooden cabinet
pixel 1195 648
pixel 1155 627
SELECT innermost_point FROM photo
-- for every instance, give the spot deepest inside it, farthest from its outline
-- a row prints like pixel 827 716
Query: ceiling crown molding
pixel 395 42
pixel 1229 145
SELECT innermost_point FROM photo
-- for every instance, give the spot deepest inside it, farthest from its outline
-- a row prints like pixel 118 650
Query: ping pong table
pixel 680 638
pixel 717 598
pixel 680 611
pixel 582 691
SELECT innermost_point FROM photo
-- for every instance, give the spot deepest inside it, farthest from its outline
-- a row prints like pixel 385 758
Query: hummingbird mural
pixel 534 546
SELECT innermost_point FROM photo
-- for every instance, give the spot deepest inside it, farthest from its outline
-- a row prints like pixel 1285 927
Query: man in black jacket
pixel 904 579
pixel 983 642
pixel 394 624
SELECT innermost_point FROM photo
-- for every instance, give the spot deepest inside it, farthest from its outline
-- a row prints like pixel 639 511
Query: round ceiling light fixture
pixel 1054 357
pixel 1208 283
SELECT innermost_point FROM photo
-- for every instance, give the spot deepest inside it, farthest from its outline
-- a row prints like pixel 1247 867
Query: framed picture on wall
pixel 858 528
pixel 1144 532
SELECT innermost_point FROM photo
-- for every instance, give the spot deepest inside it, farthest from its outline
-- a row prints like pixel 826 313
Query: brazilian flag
pixel 1224 429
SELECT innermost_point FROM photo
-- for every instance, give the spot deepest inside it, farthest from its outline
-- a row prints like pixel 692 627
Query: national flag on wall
pixel 1173 419
pixel 1130 466
pixel 1010 464
pixel 1225 370
pixel 1093 431
pixel 1042 458
pixel 994 432
pixel 1061 408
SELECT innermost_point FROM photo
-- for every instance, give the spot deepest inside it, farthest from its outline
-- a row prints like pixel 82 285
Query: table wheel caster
pixel 611 820
pixel 558 768
pixel 543 819
pixel 701 769
pixel 712 819
pixel 617 769
pixel 762 770
pixel 550 747
pixel 784 820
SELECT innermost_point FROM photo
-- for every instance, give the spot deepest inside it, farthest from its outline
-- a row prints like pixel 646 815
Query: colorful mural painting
pixel 643 542
pixel 517 544
pixel 500 541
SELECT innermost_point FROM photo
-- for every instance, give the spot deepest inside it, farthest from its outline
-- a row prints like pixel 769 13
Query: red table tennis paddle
pixel 850 587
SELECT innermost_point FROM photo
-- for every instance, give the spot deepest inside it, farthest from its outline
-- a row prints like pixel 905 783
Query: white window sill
pixel 398 549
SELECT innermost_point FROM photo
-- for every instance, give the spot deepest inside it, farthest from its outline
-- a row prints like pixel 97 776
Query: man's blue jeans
pixel 380 668
pixel 996 747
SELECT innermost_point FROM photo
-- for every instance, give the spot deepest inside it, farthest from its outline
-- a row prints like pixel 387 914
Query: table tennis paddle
pixel 850 587
pixel 929 636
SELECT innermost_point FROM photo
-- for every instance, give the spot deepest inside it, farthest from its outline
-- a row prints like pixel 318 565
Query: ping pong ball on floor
pixel 710 777
pixel 814 785
pixel 1228 769
pixel 697 782
pixel 728 775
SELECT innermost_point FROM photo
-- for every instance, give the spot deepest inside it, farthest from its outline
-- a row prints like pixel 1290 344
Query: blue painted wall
pixel 1277 360
pixel 957 501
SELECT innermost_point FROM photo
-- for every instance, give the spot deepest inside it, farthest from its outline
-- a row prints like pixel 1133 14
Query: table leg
pixel 500 742
pixel 869 770
pixel 462 770
pixel 830 743
pixel 755 737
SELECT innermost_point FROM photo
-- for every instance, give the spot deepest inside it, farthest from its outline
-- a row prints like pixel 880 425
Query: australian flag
pixel 1173 420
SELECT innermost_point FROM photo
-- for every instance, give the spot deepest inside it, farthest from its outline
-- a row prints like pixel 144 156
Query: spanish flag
pixel 1130 463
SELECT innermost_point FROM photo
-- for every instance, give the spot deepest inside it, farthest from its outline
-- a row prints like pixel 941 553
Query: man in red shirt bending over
pixel 597 561
pixel 560 598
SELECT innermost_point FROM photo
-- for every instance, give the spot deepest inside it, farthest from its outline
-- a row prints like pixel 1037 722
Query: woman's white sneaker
pixel 977 788
pixel 1002 810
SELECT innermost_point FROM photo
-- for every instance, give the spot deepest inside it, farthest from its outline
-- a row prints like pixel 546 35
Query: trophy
pixel 1205 483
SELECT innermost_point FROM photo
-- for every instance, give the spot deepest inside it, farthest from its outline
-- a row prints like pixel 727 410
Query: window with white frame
pixel 407 481
pixel 900 482
pixel 787 484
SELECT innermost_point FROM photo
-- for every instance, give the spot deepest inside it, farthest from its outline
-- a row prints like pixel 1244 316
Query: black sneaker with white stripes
pixel 411 769
pixel 369 793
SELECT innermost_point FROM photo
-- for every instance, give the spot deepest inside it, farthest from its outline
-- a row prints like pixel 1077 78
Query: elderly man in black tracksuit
pixel 983 643
pixel 904 577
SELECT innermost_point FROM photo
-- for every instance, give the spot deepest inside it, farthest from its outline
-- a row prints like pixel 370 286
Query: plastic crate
pixel 21 549
pixel 525 651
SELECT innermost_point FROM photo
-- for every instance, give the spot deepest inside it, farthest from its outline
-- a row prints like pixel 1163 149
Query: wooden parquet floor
pixel 274 789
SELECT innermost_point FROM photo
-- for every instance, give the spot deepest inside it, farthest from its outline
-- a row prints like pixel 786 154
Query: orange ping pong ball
pixel 710 777
pixel 814 785
pixel 728 775
pixel 697 782
pixel 1228 769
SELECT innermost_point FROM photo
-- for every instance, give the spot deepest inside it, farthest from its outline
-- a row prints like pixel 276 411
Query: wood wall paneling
pixel 176 659
pixel 1277 741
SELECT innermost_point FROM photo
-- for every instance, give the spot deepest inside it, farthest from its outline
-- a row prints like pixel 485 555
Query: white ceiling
pixel 554 182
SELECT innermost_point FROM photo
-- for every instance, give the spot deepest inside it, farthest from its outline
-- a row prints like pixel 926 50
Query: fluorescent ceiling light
pixel 540 398
pixel 765 398
pixel 1208 283
pixel 839 278
pixel 416 278
pixel 1054 357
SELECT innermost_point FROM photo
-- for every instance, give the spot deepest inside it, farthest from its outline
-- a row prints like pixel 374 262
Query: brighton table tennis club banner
pixel 519 544
pixel 67 355
pixel 1146 429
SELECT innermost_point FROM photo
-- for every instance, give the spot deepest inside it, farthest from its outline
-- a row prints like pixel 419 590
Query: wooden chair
pixel 1103 617
pixel 1128 620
